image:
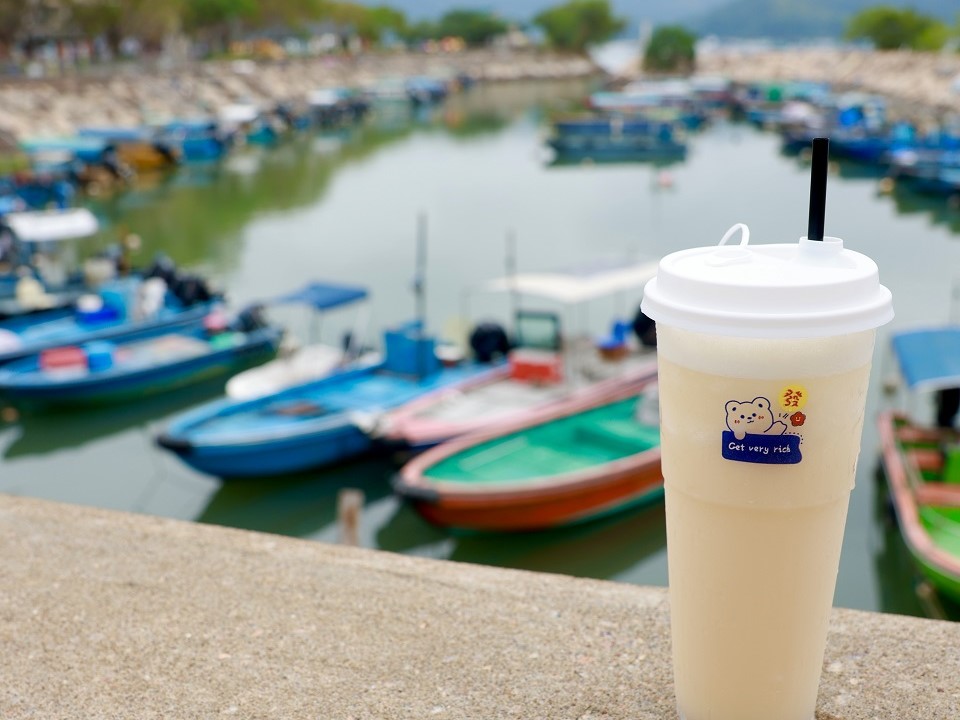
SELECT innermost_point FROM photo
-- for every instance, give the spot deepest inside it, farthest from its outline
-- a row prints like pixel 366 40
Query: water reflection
pixel 196 215
pixel 297 505
pixel 601 549
pixel 940 210
pixel 48 433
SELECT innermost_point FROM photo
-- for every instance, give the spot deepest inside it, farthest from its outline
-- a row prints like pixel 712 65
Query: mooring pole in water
pixel 349 507
pixel 930 601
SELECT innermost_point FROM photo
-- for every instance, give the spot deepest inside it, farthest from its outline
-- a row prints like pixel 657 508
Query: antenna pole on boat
pixel 511 271
pixel 420 287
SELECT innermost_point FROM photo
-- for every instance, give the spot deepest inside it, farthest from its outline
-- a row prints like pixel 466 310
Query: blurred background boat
pixel 130 369
pixel 921 459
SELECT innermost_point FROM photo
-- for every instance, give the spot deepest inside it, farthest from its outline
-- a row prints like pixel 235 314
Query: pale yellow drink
pixel 764 355
pixel 753 548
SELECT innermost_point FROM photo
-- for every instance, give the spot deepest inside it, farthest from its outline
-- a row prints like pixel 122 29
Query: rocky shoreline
pixel 134 96
pixel 919 84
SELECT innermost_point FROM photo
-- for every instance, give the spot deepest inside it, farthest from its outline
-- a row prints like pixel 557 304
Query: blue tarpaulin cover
pixel 324 296
pixel 929 359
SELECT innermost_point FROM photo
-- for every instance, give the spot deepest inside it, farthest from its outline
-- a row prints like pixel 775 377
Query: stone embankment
pixel 113 615
pixel 133 96
pixel 927 81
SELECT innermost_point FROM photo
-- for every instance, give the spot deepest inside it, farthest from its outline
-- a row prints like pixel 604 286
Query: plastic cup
pixel 764 357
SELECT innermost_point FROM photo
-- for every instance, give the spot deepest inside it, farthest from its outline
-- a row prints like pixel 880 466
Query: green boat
pixel 558 468
pixel 922 462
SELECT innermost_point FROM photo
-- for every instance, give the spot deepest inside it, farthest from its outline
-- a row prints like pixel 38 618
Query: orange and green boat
pixel 558 468
pixel 922 462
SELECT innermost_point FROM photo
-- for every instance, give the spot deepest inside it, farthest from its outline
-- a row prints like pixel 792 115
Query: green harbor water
pixel 343 206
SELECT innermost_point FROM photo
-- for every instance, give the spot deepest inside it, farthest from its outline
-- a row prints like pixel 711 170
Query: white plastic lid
pixel 808 289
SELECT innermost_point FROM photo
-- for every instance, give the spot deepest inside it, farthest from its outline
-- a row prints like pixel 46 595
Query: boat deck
pixel 572 443
pixel 371 391
pixel 505 397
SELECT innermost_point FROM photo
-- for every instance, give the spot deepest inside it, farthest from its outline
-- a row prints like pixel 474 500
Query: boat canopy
pixel 324 296
pixel 325 97
pixel 117 134
pixel 239 113
pixel 576 287
pixel 52 225
pixel 929 359
pixel 72 145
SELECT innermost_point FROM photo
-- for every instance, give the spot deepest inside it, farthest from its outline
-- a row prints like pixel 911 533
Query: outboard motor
pixel 191 290
pixel 645 329
pixel 489 341
pixel 249 319
pixel 164 268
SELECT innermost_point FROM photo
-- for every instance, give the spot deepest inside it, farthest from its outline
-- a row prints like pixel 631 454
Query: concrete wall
pixel 110 615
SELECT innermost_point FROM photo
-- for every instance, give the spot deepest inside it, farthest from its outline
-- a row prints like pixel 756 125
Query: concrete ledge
pixel 110 615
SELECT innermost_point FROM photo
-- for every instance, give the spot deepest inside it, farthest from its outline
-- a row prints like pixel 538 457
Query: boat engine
pixel 489 341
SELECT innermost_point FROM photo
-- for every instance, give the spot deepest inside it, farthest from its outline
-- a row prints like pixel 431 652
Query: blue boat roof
pixel 324 296
pixel 117 134
pixel 91 144
pixel 929 359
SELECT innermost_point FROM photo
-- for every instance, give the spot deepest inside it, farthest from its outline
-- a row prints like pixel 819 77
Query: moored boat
pixel 35 247
pixel 921 460
pixel 928 170
pixel 315 360
pixel 102 372
pixel 313 424
pixel 143 149
pixel 663 142
pixel 547 367
pixel 125 307
pixel 246 122
pixel 196 140
pixel 592 459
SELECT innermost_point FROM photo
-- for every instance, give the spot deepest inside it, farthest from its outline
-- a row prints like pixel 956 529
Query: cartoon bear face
pixel 754 417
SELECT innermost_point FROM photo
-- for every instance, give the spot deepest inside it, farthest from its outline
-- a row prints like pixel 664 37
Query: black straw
pixel 818 188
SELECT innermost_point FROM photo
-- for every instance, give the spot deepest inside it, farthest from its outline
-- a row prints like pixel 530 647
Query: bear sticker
pixel 752 417
pixel 757 434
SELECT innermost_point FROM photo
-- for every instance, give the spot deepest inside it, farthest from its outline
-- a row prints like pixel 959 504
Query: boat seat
pixel 926 460
pixel 938 495
pixel 620 434
pixel 297 408
pixel 912 435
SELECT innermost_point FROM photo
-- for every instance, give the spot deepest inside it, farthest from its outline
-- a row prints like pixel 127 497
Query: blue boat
pixel 330 107
pixel 656 101
pixel 928 171
pixel 102 372
pixel 89 162
pixel 314 424
pixel 197 140
pixel 606 126
pixel 663 145
pixel 425 90
pixel 90 150
pixel 247 123
pixel 122 308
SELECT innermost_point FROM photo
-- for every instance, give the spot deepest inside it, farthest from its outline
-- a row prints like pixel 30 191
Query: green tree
pixel 891 28
pixel 420 31
pixel 370 23
pixel 672 48
pixel 579 23
pixel 476 27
